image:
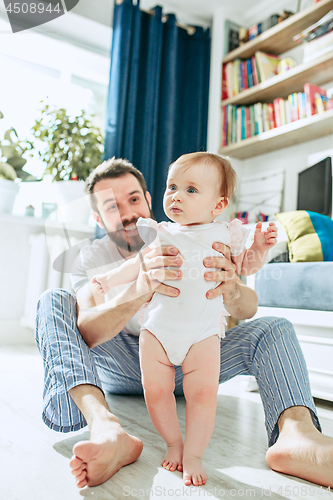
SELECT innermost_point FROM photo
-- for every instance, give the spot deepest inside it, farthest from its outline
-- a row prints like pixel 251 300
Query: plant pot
pixel 73 205
pixel 8 193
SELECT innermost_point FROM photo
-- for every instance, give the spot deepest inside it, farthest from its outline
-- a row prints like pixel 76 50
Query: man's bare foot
pixel 108 449
pixel 174 458
pixel 194 473
pixel 302 451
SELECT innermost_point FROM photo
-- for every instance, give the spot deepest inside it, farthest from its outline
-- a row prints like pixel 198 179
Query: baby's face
pixel 191 194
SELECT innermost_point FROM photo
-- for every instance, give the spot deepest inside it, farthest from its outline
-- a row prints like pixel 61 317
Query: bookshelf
pixel 310 128
pixel 278 40
pixel 318 72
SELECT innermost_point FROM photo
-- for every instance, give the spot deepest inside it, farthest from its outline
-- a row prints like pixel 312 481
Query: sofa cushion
pixel 310 235
pixel 301 285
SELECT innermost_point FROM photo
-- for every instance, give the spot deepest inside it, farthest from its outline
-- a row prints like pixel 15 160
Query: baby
pixel 187 330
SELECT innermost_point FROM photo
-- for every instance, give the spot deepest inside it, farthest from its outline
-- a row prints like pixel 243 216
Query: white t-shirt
pixel 99 257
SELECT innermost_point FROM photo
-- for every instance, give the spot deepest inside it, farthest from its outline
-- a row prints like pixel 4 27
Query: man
pixel 89 345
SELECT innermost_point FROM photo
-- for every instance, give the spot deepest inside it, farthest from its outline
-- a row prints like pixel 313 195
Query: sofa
pixel 301 292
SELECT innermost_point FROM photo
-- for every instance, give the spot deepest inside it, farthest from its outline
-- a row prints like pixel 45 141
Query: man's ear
pixel 98 220
pixel 148 198
pixel 221 205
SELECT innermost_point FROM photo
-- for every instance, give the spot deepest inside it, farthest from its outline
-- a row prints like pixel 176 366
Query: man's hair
pixel 111 169
pixel 228 177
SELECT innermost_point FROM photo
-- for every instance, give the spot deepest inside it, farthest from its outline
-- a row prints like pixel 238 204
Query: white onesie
pixel 179 322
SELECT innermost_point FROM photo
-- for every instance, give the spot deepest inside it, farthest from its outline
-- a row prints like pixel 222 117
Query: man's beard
pixel 123 239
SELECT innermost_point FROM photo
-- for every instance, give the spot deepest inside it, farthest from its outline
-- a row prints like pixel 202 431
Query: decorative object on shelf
pixel 261 193
pixel 73 147
pixel 47 209
pixel 285 14
pixel 11 167
pixel 243 36
pixel 29 211
pixel 231 36
pixel 286 64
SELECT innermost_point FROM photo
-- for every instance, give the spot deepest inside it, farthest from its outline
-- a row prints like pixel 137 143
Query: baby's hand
pixel 100 282
pixel 264 240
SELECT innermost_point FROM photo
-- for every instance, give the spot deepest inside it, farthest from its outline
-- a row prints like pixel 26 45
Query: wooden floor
pixel 34 460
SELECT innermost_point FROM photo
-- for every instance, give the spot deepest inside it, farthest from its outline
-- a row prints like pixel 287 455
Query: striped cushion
pixel 310 235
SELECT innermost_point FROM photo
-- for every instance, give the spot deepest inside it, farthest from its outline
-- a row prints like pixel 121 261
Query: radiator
pixel 42 275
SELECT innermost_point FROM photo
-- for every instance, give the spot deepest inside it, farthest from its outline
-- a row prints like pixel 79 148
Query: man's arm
pixel 240 300
pixel 100 321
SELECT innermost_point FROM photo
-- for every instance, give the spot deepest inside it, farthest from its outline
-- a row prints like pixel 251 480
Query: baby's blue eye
pixel 172 188
pixel 191 190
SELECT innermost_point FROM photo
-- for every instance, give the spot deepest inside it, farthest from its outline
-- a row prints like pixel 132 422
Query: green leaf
pixel 7 171
pixel 26 177
pixel 8 151
pixel 17 161
pixel 1 115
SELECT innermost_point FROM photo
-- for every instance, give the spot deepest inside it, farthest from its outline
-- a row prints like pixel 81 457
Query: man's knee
pixel 53 298
pixel 272 327
pixel 54 302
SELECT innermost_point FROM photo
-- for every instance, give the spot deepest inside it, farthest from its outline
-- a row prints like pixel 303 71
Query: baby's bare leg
pixel 201 369
pixel 158 380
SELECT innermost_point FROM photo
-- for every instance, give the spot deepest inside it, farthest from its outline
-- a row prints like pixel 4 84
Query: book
pixel 224 126
pixel 267 65
pixel 258 117
pixel 320 103
pixel 312 31
pixel 249 73
pixel 310 90
pixel 276 105
pixel 271 116
pixel 318 47
pixel 282 111
pixel 254 70
pixel 231 36
pixel 225 93
pixel 265 118
pixel 247 123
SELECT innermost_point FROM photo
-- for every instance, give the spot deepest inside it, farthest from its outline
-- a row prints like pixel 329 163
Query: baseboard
pixel 12 333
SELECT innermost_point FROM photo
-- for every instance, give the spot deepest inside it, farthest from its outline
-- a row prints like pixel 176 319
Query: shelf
pixel 279 39
pixel 314 127
pixel 39 222
pixel 318 71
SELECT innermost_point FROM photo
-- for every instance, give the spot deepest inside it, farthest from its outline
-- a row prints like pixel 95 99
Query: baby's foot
pixel 194 473
pixel 173 459
pixel 101 284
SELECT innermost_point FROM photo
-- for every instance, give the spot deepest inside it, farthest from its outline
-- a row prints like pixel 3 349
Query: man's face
pixel 120 203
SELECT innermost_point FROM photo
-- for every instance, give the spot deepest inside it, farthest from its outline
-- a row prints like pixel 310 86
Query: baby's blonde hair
pixel 228 178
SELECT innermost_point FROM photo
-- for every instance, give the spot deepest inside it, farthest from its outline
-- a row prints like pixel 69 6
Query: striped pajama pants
pixel 266 348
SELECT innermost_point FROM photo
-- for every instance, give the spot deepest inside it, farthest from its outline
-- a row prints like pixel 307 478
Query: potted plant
pixel 72 148
pixel 11 167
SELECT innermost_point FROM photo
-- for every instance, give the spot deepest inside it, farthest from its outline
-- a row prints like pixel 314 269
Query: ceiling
pixel 198 10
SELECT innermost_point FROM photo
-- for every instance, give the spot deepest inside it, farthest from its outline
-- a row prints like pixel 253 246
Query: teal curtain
pixel 158 93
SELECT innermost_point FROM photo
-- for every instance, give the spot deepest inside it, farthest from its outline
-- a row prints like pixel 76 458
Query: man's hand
pixel 225 272
pixel 153 272
pixel 264 240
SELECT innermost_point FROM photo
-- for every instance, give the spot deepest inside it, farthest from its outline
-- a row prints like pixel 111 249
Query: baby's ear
pixel 221 205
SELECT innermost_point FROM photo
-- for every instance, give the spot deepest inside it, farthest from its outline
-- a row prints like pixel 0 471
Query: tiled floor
pixel 34 460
